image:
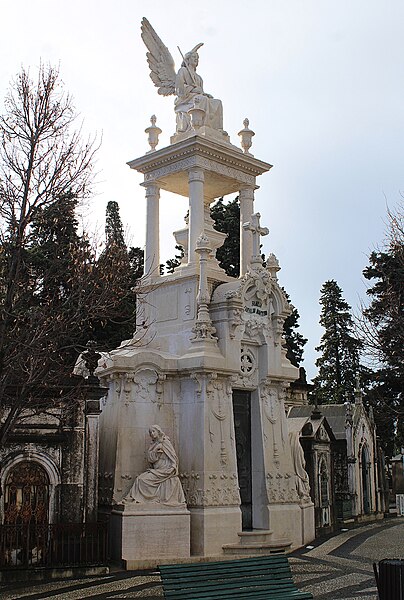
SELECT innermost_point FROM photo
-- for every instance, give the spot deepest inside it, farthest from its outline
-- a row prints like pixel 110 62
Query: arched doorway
pixel 26 515
pixel 365 480
pixel 26 495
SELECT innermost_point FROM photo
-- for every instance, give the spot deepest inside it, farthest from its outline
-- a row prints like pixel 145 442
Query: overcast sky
pixel 322 83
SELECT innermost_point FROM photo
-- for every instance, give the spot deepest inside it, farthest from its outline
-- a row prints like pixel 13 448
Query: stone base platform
pixel 143 532
pixel 257 542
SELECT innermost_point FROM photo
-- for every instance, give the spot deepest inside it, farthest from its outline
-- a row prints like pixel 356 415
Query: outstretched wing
pixel 161 63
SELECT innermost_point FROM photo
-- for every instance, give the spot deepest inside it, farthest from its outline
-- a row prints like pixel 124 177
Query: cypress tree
pixel 339 361
pixel 117 264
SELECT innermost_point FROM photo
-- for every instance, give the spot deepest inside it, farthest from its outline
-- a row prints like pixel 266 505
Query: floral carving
pixel 221 489
pixel 235 321
pixel 281 488
pixel 219 394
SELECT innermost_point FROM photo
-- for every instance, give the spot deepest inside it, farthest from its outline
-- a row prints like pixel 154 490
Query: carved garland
pixel 222 489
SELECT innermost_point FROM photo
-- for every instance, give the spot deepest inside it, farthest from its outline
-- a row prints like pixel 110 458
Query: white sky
pixel 321 81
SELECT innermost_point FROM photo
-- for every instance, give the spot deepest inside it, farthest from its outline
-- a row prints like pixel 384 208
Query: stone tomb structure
pixel 357 478
pixel 211 370
pixel 209 367
pixel 318 442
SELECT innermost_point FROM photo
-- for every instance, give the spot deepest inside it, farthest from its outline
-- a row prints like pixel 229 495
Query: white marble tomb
pixel 212 346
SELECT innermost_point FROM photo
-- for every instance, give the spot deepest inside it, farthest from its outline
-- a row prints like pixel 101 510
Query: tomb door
pixel 366 480
pixel 26 498
pixel 242 427
pixel 324 493
pixel 26 511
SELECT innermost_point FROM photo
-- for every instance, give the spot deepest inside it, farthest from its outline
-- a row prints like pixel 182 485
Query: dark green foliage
pixel 382 394
pixel 295 342
pixel 173 263
pixel 386 310
pixel 227 220
pixel 383 335
pixel 113 226
pixel 136 259
pixel 52 246
pixel 117 264
pixel 339 361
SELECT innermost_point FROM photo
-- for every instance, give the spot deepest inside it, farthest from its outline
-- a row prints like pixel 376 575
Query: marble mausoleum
pixel 210 368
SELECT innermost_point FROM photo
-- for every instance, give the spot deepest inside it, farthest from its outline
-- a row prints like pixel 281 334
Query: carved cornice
pixel 196 161
pixel 200 147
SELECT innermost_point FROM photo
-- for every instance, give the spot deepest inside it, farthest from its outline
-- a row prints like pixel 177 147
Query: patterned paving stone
pixel 340 568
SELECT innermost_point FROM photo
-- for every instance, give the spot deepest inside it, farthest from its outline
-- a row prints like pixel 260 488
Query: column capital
pixel 152 189
pixel 196 174
pixel 247 191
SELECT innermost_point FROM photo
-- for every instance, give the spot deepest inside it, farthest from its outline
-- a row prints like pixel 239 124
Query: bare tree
pixel 43 323
pixel 40 161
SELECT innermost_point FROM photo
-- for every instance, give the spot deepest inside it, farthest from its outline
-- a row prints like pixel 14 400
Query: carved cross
pixel 257 231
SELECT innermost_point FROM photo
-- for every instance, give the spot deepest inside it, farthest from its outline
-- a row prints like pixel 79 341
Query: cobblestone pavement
pixel 339 568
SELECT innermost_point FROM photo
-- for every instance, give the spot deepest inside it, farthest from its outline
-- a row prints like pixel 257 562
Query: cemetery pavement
pixel 338 568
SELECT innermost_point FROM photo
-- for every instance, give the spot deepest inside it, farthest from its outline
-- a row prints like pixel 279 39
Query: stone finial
pixel 348 414
pixel 246 135
pixel 358 391
pixel 316 412
pixel 202 244
pixel 203 328
pixel 91 357
pixel 153 132
pixel 272 265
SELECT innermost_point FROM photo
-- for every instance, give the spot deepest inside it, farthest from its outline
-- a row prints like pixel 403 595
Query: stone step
pixel 257 542
pixel 259 536
pixel 256 549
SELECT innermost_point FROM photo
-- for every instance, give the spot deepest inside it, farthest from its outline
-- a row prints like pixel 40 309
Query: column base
pixel 211 528
pixel 293 522
pixel 149 533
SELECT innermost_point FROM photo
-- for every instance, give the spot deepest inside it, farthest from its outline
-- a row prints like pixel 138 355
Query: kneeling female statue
pixel 160 483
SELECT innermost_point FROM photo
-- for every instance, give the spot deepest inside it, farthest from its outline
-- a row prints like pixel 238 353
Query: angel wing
pixel 161 63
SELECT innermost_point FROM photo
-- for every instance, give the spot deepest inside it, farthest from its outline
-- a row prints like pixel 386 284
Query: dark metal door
pixel 26 511
pixel 365 481
pixel 242 426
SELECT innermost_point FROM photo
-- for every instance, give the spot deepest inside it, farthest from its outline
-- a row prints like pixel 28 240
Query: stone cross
pixel 257 231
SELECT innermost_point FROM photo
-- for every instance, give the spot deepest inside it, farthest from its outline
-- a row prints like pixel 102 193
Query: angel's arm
pixel 184 86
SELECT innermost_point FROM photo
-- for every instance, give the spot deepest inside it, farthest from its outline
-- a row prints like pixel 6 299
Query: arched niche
pixel 41 477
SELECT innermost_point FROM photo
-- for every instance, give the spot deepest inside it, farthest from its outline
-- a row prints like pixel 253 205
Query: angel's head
pixel 192 58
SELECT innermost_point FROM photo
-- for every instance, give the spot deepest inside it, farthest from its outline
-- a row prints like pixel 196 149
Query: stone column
pixel 246 197
pixel 196 179
pixel 152 246
pixel 91 453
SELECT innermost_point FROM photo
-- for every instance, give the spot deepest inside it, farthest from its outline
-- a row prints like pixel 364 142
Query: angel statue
pixel 186 84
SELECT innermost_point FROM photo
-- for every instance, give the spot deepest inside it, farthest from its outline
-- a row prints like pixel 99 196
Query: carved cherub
pixel 186 84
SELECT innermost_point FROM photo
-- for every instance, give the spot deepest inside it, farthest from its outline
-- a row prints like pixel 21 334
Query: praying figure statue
pixel 299 463
pixel 160 483
pixel 187 84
